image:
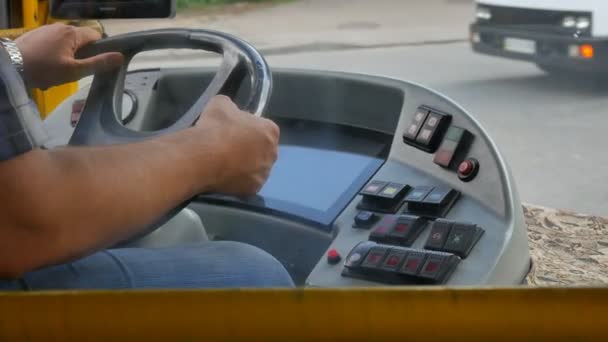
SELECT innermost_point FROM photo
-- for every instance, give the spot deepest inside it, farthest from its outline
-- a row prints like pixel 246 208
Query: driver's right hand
pixel 245 146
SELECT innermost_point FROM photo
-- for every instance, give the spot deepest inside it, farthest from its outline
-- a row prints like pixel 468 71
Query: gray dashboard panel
pixel 376 103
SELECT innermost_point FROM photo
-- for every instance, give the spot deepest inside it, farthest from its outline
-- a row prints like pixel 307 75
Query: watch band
pixel 14 53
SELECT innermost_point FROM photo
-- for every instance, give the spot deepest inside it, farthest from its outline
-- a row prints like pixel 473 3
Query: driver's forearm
pixel 65 203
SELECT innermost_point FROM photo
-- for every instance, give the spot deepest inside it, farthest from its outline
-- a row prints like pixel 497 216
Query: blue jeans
pixel 207 265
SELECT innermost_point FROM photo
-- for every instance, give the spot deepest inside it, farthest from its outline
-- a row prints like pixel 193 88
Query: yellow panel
pixel 310 315
pixel 48 100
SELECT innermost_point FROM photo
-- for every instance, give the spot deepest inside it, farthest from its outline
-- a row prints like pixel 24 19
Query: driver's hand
pixel 48 55
pixel 246 146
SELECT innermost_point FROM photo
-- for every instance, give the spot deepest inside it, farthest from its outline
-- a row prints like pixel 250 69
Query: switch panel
pixel 437 201
pixel 428 134
pixel 454 147
pixel 381 196
pixel 453 237
pixel 400 230
pixel 399 265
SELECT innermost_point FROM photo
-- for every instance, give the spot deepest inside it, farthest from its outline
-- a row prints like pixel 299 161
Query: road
pixel 551 131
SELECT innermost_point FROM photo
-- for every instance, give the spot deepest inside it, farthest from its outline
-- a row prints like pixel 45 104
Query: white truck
pixel 560 36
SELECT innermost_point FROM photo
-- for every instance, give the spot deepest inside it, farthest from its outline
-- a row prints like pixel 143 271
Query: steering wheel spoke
pixel 100 121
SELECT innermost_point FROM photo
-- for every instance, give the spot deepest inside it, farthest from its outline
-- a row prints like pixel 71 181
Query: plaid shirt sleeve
pixel 21 128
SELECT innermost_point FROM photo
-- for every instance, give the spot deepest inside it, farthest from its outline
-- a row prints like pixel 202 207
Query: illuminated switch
pixel 411 132
pixel 406 230
pixel 393 260
pixel 440 229
pixel 462 239
pixel 374 257
pixel 413 262
pixel 436 203
pixel 382 229
pixel 383 196
pixel 357 254
pixel 373 188
pixel 453 148
pixel 438 267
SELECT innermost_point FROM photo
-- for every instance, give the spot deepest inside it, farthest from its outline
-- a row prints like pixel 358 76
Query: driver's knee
pixel 222 264
pixel 251 264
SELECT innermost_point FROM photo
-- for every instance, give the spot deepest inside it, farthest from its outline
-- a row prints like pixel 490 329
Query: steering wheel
pixel 100 122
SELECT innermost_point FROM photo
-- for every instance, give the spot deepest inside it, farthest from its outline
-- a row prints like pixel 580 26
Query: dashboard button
pixel 381 231
pixel 437 267
pixel 413 128
pixel 333 257
pixel 440 229
pixel 453 148
pixel 386 199
pixel 412 264
pixel 436 203
pixel 356 255
pixel 468 169
pixel 462 239
pixel 406 230
pixel 418 193
pixel 373 188
pixel 393 261
pixel 365 219
pixel 432 131
pixel 374 257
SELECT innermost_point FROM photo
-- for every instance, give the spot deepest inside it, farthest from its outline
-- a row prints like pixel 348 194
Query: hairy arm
pixel 65 203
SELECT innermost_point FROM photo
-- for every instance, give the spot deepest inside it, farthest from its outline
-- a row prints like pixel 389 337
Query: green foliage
pixel 186 3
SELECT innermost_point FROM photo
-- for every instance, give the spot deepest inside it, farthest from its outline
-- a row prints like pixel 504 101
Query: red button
pixel 431 267
pixel 401 227
pixel 466 167
pixel 393 261
pixel 333 256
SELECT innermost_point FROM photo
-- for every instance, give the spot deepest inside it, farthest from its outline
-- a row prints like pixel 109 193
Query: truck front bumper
pixel 553 50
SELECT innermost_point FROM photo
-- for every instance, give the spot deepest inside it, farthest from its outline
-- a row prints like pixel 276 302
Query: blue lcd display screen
pixel 321 168
pixel 314 178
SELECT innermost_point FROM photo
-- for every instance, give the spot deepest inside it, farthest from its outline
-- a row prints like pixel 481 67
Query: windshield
pixel 531 71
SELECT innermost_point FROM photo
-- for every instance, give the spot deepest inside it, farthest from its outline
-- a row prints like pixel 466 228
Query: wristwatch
pixel 14 53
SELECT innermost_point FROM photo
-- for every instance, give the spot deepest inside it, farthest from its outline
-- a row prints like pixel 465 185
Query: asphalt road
pixel 551 130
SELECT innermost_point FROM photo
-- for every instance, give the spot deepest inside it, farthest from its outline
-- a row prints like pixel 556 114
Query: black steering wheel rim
pixel 100 123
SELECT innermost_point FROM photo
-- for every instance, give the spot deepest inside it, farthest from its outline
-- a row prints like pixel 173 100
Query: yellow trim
pixel 35 13
pixel 309 315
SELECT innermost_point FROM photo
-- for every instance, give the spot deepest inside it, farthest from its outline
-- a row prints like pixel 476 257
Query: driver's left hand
pixel 48 55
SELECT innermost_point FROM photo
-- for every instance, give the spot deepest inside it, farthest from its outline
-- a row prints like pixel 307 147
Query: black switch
pixel 412 264
pixel 373 188
pixel 375 257
pixel 393 260
pixel 383 197
pixel 356 255
pixel 428 135
pixel 432 131
pixel 438 267
pixel 418 194
pixel 406 230
pixel 440 229
pixel 462 238
pixel 365 219
pixel 414 127
pixel 382 229
pixel 436 204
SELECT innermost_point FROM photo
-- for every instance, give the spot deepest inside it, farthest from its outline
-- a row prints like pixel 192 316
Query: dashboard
pixel 379 181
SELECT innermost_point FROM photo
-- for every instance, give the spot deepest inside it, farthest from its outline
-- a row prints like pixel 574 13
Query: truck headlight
pixel 483 13
pixel 569 22
pixel 583 23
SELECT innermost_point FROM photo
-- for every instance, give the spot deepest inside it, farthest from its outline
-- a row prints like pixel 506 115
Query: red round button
pixel 333 256
pixel 466 167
